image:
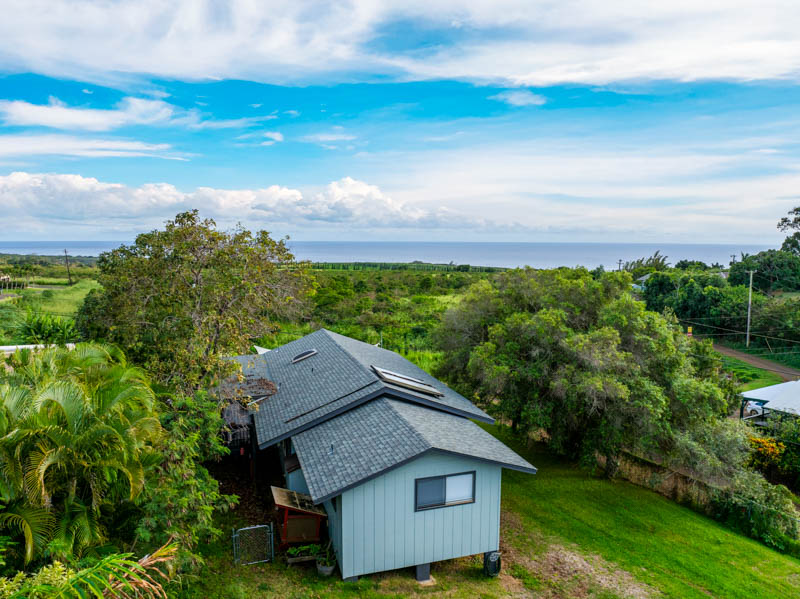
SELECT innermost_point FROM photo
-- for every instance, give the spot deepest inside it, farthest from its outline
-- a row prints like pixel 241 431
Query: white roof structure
pixel 784 397
pixel 10 349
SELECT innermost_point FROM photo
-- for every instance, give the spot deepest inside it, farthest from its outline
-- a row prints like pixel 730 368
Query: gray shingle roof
pixel 338 378
pixel 384 434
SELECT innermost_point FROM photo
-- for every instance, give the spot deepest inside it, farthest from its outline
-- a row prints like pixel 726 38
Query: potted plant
pixel 303 553
pixel 326 561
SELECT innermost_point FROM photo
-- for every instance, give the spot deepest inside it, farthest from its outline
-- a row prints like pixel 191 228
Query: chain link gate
pixel 254 544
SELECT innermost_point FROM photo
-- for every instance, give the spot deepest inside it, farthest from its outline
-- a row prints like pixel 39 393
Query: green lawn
pixel 565 534
pixel 62 302
pixel 750 376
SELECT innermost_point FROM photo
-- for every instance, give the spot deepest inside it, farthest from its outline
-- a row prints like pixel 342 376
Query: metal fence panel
pixel 254 544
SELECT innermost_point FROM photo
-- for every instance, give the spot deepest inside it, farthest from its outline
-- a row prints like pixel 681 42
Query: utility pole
pixel 66 260
pixel 619 264
pixel 749 305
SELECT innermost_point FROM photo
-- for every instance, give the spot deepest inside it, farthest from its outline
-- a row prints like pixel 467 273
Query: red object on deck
pixel 300 520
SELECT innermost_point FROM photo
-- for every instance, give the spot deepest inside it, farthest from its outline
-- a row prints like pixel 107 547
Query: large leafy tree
pixel 77 428
pixel 788 224
pixel 580 361
pixel 775 270
pixel 180 299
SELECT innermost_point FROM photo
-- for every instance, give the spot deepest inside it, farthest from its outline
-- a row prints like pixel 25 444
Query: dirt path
pixel 787 373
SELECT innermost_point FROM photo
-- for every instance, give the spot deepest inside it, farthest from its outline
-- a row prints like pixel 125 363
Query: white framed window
pixel 440 491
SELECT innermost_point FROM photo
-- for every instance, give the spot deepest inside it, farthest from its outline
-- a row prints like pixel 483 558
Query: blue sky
pixel 429 121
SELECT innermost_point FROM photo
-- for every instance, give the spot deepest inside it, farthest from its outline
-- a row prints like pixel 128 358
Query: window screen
pixel 439 491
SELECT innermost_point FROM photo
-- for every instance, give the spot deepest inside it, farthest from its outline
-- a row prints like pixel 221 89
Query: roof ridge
pixel 419 435
pixel 352 358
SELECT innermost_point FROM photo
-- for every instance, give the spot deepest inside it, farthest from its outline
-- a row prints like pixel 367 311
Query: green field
pixel 750 376
pixel 62 301
pixel 565 534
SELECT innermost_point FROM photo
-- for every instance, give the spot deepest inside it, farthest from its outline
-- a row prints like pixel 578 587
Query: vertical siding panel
pixel 358 529
pixel 379 535
pixel 369 526
pixel 388 541
pixel 428 535
pixel 458 530
pixel 495 519
pixel 477 516
pixel 347 534
pixel 410 517
pixel 399 520
pixel 445 534
pixel 486 512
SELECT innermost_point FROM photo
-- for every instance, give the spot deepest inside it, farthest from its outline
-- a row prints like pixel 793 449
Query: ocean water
pixel 541 255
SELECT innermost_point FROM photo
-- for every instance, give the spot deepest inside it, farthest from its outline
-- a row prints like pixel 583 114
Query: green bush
pixel 38 327
pixel 759 510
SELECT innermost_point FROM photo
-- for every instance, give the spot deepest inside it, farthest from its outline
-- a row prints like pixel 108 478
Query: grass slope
pixel 677 551
pixel 565 534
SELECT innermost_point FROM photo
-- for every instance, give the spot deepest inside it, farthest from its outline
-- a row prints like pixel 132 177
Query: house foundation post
pixel 423 572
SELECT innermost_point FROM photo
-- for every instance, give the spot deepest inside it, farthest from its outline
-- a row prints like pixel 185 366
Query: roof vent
pixel 303 355
pixel 401 380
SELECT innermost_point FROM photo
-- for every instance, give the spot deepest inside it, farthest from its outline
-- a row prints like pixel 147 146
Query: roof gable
pixel 372 439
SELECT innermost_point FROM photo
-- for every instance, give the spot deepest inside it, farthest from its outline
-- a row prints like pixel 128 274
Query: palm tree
pixel 76 431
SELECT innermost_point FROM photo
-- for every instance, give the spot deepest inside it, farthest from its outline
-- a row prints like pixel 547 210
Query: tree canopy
pixel 580 361
pixel 791 223
pixel 181 298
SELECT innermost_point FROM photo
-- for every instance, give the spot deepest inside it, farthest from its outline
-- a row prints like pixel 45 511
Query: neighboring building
pixel 783 398
pixel 392 454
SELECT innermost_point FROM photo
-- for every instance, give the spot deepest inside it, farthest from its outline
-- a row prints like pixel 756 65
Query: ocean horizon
pixel 502 254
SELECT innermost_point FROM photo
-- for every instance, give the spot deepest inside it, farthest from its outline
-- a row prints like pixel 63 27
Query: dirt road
pixel 787 373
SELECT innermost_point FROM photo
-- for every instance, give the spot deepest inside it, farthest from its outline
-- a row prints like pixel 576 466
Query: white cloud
pixel 129 111
pixel 255 105
pixel 273 135
pixel 292 113
pixel 519 97
pixel 67 145
pixel 517 41
pixel 57 202
pixel 589 192
pixel 328 137
pixel 87 91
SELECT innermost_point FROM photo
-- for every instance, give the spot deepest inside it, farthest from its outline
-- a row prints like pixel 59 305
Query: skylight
pixel 303 355
pixel 401 380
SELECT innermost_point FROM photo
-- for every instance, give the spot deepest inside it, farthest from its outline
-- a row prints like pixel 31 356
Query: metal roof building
pixel 405 475
pixel 783 397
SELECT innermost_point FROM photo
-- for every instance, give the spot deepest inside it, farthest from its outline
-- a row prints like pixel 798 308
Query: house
pixel 391 453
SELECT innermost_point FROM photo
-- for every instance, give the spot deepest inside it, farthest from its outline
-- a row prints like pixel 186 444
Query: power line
pixel 786 372
pixel 740 332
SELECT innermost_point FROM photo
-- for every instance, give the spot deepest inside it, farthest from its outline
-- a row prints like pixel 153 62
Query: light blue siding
pixel 296 481
pixel 381 531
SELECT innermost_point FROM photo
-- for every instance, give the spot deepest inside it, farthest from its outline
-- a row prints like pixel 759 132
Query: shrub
pixel 37 327
pixel 760 510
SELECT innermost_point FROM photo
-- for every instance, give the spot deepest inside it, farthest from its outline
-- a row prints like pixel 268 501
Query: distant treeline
pixel 23 259
pixel 424 266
